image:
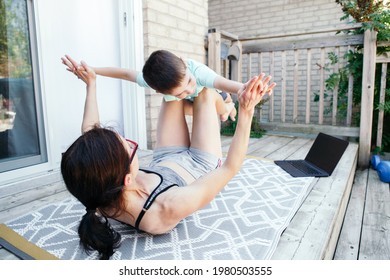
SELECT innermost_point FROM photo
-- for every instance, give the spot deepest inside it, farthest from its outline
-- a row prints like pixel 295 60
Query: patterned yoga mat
pixel 245 222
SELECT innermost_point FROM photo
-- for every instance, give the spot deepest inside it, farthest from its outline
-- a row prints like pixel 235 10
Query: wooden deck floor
pixel 317 231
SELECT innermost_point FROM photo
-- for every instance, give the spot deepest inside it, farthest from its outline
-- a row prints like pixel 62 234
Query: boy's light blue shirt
pixel 204 76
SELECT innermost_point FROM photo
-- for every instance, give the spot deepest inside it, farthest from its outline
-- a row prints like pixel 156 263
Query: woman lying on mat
pixel 101 167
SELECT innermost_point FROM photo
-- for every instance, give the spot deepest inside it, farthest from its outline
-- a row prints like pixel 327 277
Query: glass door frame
pixel 23 162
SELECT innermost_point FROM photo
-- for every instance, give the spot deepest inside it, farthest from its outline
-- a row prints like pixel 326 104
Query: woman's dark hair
pixel 93 169
pixel 163 71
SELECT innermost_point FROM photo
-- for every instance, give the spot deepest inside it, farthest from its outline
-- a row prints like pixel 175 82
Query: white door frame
pixel 132 56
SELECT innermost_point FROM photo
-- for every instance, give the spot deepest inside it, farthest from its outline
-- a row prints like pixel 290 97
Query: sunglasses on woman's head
pixel 133 148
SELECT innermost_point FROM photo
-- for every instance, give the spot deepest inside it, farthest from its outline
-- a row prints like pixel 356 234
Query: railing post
pixel 236 64
pixel 214 50
pixel 367 98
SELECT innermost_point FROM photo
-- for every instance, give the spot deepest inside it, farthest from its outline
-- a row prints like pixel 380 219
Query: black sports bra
pixel 164 185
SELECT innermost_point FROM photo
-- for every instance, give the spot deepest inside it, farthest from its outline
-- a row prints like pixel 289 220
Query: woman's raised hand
pixel 81 71
pixel 86 73
pixel 70 63
pixel 253 91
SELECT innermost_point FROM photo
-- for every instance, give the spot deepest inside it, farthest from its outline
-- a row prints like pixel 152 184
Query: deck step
pixel 314 230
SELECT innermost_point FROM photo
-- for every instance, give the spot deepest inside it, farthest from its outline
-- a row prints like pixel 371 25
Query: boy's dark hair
pixel 163 71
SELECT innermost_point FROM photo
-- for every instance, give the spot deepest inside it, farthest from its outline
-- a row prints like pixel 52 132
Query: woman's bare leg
pixel 172 129
pixel 206 123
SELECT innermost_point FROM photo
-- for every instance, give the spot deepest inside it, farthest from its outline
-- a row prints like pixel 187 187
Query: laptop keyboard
pixel 301 165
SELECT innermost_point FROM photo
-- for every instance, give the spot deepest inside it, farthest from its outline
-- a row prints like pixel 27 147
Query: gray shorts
pixel 195 161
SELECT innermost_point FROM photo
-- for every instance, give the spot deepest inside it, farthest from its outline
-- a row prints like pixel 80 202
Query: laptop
pixel 321 159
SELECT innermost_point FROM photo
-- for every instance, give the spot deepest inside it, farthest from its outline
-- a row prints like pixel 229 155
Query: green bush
pixel 373 15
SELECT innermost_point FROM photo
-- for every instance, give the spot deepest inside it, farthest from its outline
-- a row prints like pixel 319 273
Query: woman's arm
pixel 249 96
pixel 91 112
pixel 85 73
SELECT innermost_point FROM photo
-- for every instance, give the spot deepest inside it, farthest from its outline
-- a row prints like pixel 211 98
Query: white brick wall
pixel 247 18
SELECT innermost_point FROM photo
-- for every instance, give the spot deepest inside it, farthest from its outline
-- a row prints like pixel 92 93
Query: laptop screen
pixel 326 152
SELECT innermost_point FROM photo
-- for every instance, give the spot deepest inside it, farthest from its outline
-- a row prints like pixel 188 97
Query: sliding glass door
pixel 22 139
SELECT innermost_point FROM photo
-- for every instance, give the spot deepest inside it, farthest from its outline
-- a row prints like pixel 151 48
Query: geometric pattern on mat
pixel 245 221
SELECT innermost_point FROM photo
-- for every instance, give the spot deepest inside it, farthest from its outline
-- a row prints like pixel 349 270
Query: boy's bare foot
pixel 230 112
pixel 233 113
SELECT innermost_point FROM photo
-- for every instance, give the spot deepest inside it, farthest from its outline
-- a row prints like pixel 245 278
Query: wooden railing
pixel 300 65
pixel 384 59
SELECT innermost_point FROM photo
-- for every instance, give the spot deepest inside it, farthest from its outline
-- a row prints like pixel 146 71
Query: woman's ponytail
pixel 96 233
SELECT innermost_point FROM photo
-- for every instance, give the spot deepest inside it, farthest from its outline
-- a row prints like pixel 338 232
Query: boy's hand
pixel 253 91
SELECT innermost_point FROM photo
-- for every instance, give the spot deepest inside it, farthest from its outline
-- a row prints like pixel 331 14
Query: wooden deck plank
pixel 23 184
pixel 375 240
pixel 265 146
pixel 226 140
pixel 291 149
pixel 31 206
pixel 313 232
pixel 226 144
pixel 30 195
pixel 349 239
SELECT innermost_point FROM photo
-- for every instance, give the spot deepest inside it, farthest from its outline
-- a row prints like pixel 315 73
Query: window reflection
pixel 7 114
pixel 19 127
